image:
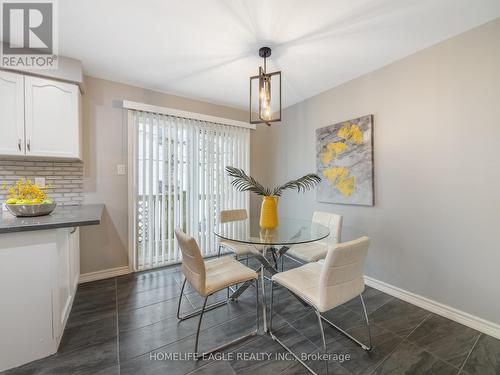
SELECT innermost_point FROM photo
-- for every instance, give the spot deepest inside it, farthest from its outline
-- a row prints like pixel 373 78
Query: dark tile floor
pixel 127 325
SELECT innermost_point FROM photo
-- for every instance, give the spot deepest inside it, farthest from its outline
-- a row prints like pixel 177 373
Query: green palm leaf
pixel 243 182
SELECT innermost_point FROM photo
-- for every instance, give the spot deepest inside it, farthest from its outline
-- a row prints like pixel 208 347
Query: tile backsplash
pixel 65 179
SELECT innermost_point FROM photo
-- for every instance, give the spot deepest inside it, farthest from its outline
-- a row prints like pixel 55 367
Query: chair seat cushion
pixel 303 281
pixel 223 272
pixel 239 248
pixel 309 252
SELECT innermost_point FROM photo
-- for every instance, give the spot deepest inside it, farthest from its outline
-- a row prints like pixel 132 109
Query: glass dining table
pixel 269 245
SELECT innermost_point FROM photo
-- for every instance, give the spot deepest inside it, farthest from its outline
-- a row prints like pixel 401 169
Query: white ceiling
pixel 207 49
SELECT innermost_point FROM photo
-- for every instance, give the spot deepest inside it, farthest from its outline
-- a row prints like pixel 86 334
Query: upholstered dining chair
pixel 314 251
pixel 208 277
pixel 238 248
pixel 327 284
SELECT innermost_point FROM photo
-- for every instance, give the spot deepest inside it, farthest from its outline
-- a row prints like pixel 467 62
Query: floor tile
pixel 410 359
pixel 158 361
pixel 92 306
pixel 308 325
pixel 140 341
pixel 399 317
pixel 136 318
pixel 445 338
pixel 307 351
pixel 86 361
pixel 360 361
pixel 373 298
pixel 132 300
pixel 215 368
pixel 84 335
pixel 485 358
pixel 289 308
pixel 248 359
pixel 147 282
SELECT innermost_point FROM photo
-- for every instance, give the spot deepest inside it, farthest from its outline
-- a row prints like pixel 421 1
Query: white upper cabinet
pixel 11 114
pixel 52 118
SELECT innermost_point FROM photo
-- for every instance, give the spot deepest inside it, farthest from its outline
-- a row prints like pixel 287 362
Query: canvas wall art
pixel 344 159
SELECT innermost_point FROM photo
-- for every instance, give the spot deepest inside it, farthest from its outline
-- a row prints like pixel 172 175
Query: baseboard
pixel 103 274
pixel 479 324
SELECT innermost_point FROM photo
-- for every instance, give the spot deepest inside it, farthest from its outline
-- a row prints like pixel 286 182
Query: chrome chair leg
pixel 318 314
pixel 264 313
pixel 363 346
pixel 367 324
pixel 199 325
pixel 196 312
pixel 257 303
pixel 273 336
pixel 232 342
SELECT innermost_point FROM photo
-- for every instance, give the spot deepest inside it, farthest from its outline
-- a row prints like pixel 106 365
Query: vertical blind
pixel 180 182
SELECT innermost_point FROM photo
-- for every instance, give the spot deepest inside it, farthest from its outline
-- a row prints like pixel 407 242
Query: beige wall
pixel 435 227
pixel 105 146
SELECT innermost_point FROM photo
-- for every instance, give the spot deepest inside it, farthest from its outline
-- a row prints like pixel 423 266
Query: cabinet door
pixel 52 118
pixel 11 114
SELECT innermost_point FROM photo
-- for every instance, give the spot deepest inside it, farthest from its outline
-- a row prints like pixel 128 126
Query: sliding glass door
pixel 179 180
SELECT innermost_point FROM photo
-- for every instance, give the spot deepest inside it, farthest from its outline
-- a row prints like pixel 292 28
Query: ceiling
pixel 207 49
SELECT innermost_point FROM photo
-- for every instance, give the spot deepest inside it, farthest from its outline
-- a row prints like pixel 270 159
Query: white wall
pixel 435 227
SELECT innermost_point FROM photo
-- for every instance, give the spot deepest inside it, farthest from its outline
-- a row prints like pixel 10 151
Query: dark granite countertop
pixel 61 217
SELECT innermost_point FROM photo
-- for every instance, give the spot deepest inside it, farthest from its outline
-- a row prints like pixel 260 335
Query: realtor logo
pixel 28 34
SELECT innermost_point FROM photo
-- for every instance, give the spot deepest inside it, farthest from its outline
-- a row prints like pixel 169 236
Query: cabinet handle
pixel 73 230
pixel 19 144
pixel 29 145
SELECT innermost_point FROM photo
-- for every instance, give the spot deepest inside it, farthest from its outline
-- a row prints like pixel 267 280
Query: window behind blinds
pixel 179 180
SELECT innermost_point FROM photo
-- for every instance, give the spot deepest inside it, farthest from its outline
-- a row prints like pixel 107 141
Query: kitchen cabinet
pixel 11 114
pixel 52 118
pixel 40 117
pixel 38 282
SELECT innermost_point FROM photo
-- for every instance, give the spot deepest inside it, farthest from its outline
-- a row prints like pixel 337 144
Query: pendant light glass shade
pixel 265 94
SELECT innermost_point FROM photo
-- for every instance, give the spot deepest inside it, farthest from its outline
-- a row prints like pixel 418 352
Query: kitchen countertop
pixel 61 217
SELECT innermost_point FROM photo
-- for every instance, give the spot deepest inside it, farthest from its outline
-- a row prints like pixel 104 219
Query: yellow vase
pixel 269 213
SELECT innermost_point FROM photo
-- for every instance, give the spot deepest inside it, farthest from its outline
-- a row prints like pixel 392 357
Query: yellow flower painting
pixel 345 162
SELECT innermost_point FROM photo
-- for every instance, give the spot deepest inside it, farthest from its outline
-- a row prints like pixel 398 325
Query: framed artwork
pixel 344 159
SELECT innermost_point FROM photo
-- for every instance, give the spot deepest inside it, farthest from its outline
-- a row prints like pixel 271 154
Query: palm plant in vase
pixel 269 209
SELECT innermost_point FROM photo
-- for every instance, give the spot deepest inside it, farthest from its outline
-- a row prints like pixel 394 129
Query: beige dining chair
pixel 326 285
pixel 209 277
pixel 238 248
pixel 314 251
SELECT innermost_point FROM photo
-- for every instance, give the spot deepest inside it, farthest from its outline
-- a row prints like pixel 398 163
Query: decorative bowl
pixel 30 210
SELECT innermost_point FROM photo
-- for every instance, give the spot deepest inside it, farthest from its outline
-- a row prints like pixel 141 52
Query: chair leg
pixel 367 323
pixel 199 326
pixel 224 345
pixel 257 303
pixel 271 309
pixel 318 314
pixel 196 312
pixel 363 346
pixel 273 336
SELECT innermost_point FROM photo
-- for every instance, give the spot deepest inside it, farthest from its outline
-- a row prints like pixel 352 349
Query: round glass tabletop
pixel 288 232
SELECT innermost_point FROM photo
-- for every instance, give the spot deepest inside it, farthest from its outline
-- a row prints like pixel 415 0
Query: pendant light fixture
pixel 265 94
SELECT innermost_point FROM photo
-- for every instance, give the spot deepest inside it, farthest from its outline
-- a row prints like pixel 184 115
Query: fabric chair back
pixel 341 278
pixel 332 221
pixel 193 266
pixel 227 216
